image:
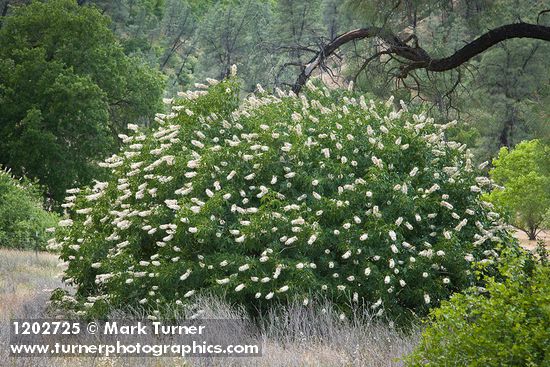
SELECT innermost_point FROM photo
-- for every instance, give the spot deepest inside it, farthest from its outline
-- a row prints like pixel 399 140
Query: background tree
pixel 497 95
pixel 525 174
pixel 66 89
pixel 298 32
pixel 232 33
pixel 179 46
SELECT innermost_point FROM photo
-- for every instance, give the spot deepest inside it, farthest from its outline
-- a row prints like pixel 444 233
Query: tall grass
pixel 293 336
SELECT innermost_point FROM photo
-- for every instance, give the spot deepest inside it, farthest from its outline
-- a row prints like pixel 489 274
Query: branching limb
pixel 416 57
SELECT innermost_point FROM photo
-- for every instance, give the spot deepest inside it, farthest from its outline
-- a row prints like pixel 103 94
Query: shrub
pixel 525 174
pixel 23 221
pixel 507 324
pixel 282 198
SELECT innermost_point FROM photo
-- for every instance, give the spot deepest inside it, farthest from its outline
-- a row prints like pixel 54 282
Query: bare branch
pixel 417 57
pixel 541 13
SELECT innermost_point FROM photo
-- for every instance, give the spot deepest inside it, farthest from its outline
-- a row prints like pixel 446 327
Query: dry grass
pixel 26 280
pixel 296 336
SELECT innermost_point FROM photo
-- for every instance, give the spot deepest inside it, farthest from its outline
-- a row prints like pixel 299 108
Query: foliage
pixel 498 96
pixel 525 174
pixel 511 101
pixel 278 199
pixel 66 90
pixel 230 34
pixel 505 324
pixel 23 221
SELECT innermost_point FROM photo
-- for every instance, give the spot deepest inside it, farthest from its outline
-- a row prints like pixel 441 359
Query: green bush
pixel 23 221
pixel 506 324
pixel 278 199
pixel 525 174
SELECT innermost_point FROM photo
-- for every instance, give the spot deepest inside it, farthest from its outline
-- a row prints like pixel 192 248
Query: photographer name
pixel 155 328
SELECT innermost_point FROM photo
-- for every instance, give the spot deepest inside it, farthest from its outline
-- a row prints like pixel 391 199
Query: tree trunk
pixel 4 11
pixel 532 234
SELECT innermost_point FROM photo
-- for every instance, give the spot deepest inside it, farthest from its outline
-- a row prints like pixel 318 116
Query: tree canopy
pixel 525 174
pixel 66 89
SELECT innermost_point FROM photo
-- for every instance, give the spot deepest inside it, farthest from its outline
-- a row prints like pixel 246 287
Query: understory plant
pixel 505 323
pixel 280 198
pixel 23 220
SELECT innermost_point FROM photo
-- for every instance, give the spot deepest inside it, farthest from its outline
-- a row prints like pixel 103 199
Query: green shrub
pixel 525 174
pixel 507 324
pixel 23 221
pixel 280 198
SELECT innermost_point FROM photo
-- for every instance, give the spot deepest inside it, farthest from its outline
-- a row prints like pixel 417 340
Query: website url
pixel 137 349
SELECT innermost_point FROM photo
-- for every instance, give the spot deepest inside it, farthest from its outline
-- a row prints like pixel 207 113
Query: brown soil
pixel 531 245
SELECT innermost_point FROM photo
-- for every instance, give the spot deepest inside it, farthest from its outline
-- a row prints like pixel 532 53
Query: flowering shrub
pixel 281 198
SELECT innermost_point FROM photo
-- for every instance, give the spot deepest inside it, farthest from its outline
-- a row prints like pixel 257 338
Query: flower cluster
pixel 282 197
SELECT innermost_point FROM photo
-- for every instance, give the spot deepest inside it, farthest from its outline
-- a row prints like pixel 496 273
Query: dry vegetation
pixel 26 280
pixel 293 337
